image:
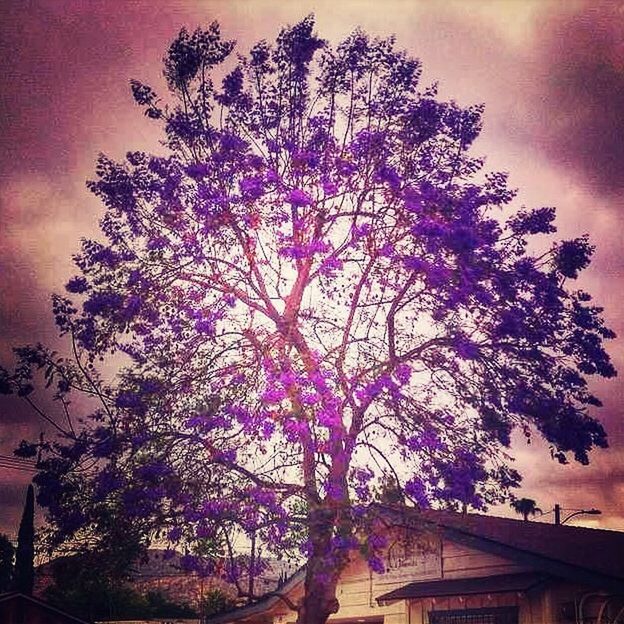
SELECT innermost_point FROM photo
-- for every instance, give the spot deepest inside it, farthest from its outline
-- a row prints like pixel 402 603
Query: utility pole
pixel 575 512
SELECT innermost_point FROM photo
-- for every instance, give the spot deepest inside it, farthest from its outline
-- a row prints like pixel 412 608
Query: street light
pixel 575 512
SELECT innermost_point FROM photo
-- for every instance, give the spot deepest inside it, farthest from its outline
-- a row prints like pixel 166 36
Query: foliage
pixel 389 492
pixel 7 554
pixel 216 601
pixel 525 507
pixel 86 586
pixel 317 282
pixel 24 570
pixel 158 605
pixel 115 601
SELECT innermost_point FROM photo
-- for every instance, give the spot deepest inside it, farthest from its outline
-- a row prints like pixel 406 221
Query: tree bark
pixel 323 568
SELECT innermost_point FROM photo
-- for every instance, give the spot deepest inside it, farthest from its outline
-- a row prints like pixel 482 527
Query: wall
pixel 411 558
pixel 428 557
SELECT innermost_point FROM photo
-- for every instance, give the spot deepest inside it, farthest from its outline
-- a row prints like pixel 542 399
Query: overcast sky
pixel 550 74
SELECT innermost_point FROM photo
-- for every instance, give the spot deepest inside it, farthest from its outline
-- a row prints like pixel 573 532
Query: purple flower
pixel 205 326
pixel 376 565
pixel 329 187
pixel 466 349
pixel 299 198
pixel 190 563
pixel 268 427
pixel 273 395
pixel 251 187
pixel 403 373
pixel 345 168
pixel 133 307
pixel 415 489
pixel 390 176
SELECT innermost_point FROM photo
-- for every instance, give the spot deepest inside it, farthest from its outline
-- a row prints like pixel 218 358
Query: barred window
pixel 501 615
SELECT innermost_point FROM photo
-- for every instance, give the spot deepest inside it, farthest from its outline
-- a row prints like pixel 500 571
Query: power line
pixel 22 468
pixel 8 462
pixel 14 458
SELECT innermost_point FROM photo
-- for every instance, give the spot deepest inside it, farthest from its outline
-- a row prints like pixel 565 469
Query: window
pixel 501 615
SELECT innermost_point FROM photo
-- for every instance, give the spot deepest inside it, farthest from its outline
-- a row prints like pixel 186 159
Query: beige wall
pixel 459 561
pixel 434 558
pixel 431 558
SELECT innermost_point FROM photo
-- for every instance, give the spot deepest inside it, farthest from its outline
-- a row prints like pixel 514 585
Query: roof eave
pixel 263 604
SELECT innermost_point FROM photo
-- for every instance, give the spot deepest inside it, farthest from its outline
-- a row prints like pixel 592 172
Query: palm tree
pixel 525 507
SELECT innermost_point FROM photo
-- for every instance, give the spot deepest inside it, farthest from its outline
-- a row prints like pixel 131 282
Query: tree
pixel 216 601
pixel 24 572
pixel 95 581
pixel 525 507
pixel 314 283
pixel 110 598
pixel 7 553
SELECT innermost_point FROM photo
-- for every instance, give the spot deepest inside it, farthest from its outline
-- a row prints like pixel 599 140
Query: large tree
pixel 24 571
pixel 313 291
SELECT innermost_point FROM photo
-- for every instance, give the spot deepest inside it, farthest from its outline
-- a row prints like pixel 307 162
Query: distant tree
pixel 7 554
pixel 216 601
pixel 90 588
pixel 95 582
pixel 161 606
pixel 525 507
pixel 98 601
pixel 314 286
pixel 24 572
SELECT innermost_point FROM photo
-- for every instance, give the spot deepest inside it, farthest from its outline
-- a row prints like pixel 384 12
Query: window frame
pixel 501 615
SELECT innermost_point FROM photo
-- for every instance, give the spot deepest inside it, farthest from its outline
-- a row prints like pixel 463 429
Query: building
pixel 16 608
pixel 450 568
pixel 163 572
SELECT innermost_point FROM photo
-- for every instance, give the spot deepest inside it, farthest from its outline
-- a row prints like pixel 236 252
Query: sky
pixel 551 75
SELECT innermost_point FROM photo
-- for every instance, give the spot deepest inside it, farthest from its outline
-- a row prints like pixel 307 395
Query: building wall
pixel 409 559
pixel 434 558
pixel 530 606
pixel 459 561
pixel 567 603
pixel 21 611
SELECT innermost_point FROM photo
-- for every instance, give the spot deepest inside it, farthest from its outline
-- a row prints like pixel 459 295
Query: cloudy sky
pixel 551 75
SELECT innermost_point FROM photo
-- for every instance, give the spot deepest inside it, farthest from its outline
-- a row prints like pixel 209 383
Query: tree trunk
pixel 323 570
pixel 319 600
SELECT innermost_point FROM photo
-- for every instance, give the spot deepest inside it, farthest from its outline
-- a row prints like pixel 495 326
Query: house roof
pixel 466 586
pixel 591 556
pixel 263 604
pixel 23 598
pixel 571 552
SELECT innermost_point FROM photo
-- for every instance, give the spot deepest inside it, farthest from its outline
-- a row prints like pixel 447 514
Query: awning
pixel 465 586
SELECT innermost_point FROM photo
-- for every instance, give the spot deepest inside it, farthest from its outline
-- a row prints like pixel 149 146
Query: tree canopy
pixel 525 507
pixel 315 289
